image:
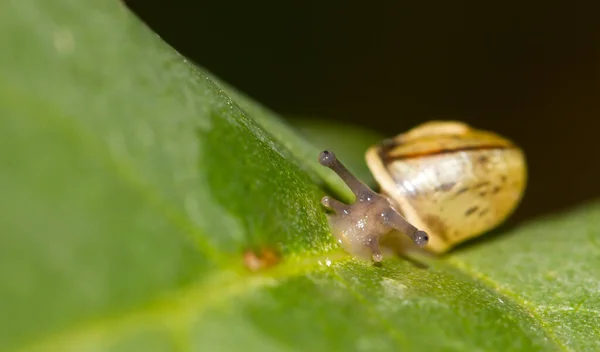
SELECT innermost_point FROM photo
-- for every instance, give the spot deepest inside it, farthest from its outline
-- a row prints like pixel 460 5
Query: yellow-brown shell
pixel 450 180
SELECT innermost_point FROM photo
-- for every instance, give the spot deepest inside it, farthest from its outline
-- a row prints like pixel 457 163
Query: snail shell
pixel 450 180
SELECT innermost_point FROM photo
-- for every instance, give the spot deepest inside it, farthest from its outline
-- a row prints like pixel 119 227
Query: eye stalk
pixel 394 220
pixel 359 227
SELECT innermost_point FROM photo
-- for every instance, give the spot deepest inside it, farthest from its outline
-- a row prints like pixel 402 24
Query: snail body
pixel 448 180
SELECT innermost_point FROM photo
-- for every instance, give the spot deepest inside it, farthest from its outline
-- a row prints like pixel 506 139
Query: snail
pixel 442 183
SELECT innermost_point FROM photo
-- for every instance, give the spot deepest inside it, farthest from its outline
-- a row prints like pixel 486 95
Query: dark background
pixel 527 70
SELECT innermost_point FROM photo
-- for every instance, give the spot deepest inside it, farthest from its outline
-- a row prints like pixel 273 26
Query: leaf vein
pixel 179 308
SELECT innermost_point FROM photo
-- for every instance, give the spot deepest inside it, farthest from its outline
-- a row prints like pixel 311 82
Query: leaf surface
pixel 133 183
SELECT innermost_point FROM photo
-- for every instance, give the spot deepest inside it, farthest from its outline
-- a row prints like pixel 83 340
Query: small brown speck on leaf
pixel 259 260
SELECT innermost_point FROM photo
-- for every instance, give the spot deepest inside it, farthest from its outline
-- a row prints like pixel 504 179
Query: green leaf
pixel 132 185
pixel 304 151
